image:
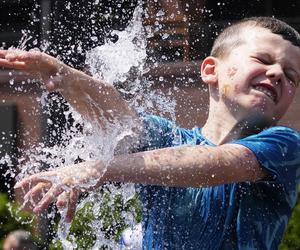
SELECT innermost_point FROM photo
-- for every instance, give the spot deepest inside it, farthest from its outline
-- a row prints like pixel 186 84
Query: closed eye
pixel 263 60
pixel 292 77
pixel 292 80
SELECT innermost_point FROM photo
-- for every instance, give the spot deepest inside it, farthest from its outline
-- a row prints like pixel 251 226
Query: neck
pixel 221 126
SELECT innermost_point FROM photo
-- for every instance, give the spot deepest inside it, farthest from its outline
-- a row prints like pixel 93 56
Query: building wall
pixel 53 21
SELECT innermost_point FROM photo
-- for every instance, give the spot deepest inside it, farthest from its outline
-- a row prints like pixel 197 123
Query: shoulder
pixel 281 131
pixel 156 132
pixel 277 149
pixel 278 142
pixel 156 126
pixel 284 139
pixel 162 132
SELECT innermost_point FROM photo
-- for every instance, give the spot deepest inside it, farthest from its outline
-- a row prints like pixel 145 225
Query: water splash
pixel 114 61
pixel 121 63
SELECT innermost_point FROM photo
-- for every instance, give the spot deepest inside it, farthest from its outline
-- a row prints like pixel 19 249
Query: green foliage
pixel 113 224
pixel 12 218
pixel 109 216
pixel 291 238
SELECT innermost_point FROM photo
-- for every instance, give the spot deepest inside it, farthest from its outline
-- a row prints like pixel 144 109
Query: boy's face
pixel 260 76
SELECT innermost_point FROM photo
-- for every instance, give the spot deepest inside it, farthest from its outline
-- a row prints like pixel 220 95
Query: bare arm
pixel 187 166
pixel 91 97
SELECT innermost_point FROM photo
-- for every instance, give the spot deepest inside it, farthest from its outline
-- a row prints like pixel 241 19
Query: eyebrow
pixel 271 57
pixel 265 54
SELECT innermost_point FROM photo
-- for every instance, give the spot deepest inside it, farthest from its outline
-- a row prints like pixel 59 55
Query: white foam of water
pixel 112 62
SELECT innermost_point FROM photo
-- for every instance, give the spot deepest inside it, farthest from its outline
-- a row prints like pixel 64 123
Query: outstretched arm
pixel 91 97
pixel 186 166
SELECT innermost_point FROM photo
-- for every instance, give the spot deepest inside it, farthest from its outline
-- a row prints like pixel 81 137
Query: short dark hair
pixel 231 36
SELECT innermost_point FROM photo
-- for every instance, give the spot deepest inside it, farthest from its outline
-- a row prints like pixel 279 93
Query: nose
pixel 275 73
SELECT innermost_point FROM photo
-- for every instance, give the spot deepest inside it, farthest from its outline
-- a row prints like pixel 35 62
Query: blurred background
pixel 182 35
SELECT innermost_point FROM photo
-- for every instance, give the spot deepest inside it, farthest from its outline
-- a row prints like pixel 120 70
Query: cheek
pixel 289 97
pixel 288 93
pixel 230 89
pixel 226 90
pixel 231 71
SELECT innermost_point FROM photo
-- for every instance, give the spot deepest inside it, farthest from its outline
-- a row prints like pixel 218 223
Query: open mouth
pixel 267 90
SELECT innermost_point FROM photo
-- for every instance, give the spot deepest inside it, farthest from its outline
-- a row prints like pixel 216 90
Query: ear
pixel 209 70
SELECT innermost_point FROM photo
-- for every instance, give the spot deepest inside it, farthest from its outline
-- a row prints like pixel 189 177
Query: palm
pixel 62 185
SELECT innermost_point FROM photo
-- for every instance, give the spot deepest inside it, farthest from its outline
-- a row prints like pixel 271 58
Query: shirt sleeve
pixel 278 151
pixel 157 133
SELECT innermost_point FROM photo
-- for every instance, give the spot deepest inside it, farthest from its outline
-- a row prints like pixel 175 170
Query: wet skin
pixel 256 80
pixel 260 76
pixel 265 60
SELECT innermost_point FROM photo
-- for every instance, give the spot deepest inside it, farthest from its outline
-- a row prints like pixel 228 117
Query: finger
pixel 62 200
pixel 13 55
pixel 34 179
pixel 26 60
pixel 72 205
pixel 37 191
pixel 12 64
pixel 23 186
pixel 68 200
pixel 33 196
pixel 22 55
pixel 3 53
pixel 49 197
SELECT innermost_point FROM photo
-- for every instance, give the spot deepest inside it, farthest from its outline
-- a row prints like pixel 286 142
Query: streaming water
pixel 121 63
pixel 124 63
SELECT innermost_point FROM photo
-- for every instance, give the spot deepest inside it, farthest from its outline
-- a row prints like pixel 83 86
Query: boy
pixel 235 182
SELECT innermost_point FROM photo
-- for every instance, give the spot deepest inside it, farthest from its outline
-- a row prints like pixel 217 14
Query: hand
pixel 63 185
pixel 39 65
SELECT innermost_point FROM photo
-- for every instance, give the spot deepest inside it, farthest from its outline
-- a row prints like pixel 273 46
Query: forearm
pixel 187 166
pixel 93 98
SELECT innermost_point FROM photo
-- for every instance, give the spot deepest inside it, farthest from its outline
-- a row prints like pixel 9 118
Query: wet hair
pixel 232 36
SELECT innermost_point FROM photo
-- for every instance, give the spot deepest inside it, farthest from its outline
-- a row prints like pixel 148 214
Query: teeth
pixel 267 92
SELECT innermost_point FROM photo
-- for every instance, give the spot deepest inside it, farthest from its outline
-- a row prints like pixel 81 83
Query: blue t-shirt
pixel 246 215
